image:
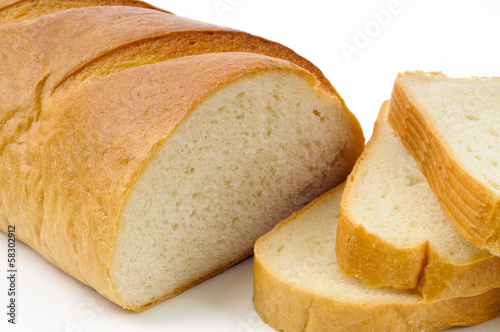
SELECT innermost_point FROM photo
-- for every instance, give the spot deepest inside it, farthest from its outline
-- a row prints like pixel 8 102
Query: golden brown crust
pixel 380 263
pixel 65 43
pixel 84 27
pixel 178 43
pixel 471 205
pixel 5 3
pixel 442 279
pixel 12 11
pixel 375 261
pixel 290 307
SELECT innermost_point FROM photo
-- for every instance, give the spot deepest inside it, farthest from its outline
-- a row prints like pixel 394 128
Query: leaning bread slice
pixel 299 287
pixel 392 231
pixel 452 128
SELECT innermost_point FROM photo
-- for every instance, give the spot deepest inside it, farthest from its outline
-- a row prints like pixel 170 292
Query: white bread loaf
pixel 299 287
pixel 142 166
pixel 393 232
pixel 452 128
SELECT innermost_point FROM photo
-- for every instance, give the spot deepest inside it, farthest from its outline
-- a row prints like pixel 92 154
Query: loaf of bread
pixel 393 232
pixel 452 128
pixel 143 153
pixel 299 287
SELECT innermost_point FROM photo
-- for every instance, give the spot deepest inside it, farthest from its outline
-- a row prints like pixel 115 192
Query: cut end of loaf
pixel 255 150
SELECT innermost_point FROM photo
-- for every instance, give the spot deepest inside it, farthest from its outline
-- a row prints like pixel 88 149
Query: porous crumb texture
pixel 245 158
pixel 299 287
pixel 465 112
pixel 451 128
pixel 394 232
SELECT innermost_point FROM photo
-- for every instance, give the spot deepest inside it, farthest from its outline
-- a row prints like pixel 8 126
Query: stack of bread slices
pixel 411 241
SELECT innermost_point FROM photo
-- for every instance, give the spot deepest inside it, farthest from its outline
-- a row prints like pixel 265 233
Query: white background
pixel 458 37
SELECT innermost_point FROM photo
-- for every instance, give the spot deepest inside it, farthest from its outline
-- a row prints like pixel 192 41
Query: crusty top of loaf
pixel 68 42
pixel 19 10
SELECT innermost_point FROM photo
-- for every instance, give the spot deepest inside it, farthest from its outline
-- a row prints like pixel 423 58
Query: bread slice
pixel 452 128
pixel 157 177
pixel 299 287
pixel 12 11
pixel 393 232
